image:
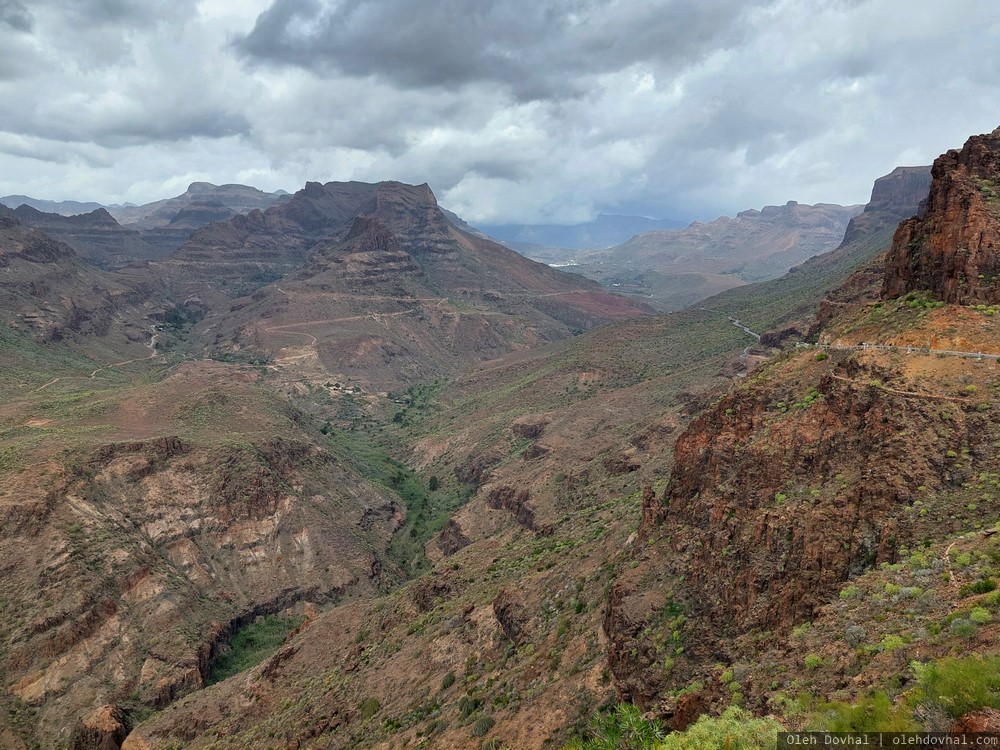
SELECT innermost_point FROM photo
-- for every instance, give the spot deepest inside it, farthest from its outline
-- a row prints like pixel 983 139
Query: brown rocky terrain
pixel 154 537
pixel 951 248
pixel 659 510
pixel 380 290
pixel 895 197
pixel 51 295
pixel 561 447
pixel 96 237
pixel 820 470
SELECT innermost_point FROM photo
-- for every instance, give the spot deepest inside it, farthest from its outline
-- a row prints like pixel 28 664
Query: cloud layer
pixel 512 111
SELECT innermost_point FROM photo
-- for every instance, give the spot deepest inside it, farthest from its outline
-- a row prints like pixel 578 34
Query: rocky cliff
pixel 896 196
pixel 149 553
pixel 95 236
pixel 952 250
pixel 49 293
pixel 821 469
pixel 375 286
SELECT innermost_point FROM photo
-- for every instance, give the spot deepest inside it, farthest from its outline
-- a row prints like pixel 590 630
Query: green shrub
pixel 983 586
pixel 622 728
pixel 448 681
pixel 892 642
pixel 813 661
pixel 961 685
pixel 736 729
pixel 963 627
pixel 468 706
pixel 482 726
pixel 368 708
pixel 980 615
pixel 872 713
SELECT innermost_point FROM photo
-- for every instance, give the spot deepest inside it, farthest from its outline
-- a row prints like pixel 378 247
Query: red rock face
pixel 953 249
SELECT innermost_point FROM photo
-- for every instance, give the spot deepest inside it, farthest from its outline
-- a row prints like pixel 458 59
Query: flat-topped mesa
pixel 952 249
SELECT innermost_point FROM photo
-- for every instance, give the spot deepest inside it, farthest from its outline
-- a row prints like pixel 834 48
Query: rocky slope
pixel 951 248
pixel 155 538
pixel 679 267
pixel 564 570
pixel 895 197
pixel 561 448
pixel 380 290
pixel 96 236
pixel 821 469
pixel 51 295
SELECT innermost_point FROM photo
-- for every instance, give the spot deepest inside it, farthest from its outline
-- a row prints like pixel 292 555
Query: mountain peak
pixel 952 249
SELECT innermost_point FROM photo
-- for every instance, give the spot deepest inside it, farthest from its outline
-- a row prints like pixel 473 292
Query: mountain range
pixel 339 471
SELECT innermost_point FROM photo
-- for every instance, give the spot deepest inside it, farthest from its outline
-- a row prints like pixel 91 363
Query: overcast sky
pixel 512 110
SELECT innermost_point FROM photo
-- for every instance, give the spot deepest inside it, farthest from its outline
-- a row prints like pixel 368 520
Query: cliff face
pixel 951 249
pixel 823 468
pixel 896 196
pixel 146 555
pixel 96 237
pixel 786 490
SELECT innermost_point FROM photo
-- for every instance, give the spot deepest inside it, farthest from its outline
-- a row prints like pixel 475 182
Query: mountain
pixel 892 195
pixel 159 214
pixel 137 535
pixel 378 288
pixel 51 295
pixel 65 208
pixel 95 236
pixel 676 268
pixel 812 516
pixel 604 231
pixel 370 505
pixel 501 638
pixel 950 249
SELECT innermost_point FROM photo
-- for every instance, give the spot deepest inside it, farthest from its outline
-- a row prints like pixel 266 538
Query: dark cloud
pixel 121 12
pixel 512 111
pixel 14 15
pixel 535 50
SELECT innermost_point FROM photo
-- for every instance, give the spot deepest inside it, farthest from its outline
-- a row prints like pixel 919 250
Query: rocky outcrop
pixel 105 729
pixel 371 253
pixel 984 721
pixel 95 236
pixel 452 539
pixel 952 250
pixel 780 493
pixel 896 196
pixel 153 553
pixel 516 502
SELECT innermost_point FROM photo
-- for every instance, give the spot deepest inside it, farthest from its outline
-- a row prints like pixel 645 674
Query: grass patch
pixel 251 645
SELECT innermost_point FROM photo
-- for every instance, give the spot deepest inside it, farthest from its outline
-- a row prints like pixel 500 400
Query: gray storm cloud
pixel 512 111
pixel 535 50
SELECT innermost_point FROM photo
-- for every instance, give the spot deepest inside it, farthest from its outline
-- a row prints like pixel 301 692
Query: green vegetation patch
pixel 251 645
